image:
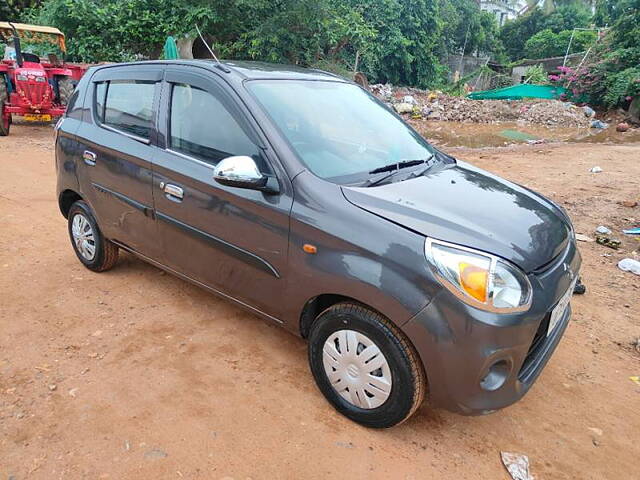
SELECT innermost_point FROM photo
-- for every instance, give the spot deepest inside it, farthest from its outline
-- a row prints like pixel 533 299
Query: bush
pixel 622 86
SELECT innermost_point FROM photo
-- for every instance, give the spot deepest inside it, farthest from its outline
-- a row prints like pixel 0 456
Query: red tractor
pixel 34 88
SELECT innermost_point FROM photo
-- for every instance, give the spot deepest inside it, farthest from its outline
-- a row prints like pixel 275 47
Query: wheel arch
pixel 318 304
pixel 66 199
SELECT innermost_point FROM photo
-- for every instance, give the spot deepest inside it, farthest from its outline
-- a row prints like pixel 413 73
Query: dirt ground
pixel 134 374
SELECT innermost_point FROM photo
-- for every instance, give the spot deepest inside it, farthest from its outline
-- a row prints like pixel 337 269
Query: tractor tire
pixel 66 86
pixel 5 122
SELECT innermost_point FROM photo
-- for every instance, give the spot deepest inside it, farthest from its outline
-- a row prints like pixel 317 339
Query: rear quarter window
pixel 126 105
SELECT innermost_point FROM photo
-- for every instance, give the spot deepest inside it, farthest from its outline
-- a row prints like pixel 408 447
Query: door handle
pixel 89 158
pixel 172 190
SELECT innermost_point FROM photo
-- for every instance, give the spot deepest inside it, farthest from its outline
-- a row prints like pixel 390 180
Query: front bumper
pixel 476 361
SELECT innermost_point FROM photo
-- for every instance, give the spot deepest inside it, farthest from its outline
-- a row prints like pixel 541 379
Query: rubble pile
pixel 435 105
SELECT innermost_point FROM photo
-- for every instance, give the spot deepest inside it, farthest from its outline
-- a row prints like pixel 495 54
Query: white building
pixel 503 9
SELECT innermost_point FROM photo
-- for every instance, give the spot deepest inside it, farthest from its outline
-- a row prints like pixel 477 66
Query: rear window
pixel 126 105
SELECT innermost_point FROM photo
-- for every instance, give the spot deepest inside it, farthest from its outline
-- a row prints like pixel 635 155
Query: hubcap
pixel 83 237
pixel 357 369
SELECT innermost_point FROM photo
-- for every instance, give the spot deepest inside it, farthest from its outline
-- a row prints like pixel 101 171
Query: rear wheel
pixel 93 250
pixel 5 120
pixel 365 366
pixel 66 87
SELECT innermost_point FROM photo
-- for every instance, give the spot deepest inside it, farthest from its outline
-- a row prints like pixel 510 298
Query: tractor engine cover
pixel 32 89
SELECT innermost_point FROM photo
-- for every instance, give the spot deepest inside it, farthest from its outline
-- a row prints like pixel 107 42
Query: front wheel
pixel 365 366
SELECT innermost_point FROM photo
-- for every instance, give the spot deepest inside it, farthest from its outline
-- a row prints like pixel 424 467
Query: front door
pixel 231 239
pixel 115 151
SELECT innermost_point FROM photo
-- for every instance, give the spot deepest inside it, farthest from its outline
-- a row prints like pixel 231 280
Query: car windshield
pixel 339 131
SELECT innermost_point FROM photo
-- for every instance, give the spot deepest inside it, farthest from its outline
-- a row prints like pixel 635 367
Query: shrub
pixel 536 75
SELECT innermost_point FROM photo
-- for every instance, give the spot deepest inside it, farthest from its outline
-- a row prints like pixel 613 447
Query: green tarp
pixel 518 92
pixel 170 49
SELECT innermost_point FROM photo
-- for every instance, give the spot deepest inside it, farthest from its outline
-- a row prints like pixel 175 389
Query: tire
pixel 66 87
pixel 5 122
pixel 376 408
pixel 104 253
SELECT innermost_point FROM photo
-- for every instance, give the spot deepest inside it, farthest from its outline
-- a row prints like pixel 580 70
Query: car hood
pixel 470 207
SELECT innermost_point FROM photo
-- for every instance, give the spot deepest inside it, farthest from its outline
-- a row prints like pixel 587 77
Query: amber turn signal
pixel 474 280
pixel 307 247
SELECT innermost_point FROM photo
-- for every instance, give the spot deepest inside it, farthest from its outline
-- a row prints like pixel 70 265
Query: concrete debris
pixel 409 99
pixel 435 105
pixel 517 465
pixel 403 107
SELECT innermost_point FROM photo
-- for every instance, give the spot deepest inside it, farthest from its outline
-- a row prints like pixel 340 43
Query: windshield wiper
pixel 424 170
pixel 397 166
pixel 393 168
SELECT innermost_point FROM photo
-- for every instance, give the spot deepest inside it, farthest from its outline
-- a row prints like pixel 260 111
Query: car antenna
pixel 218 62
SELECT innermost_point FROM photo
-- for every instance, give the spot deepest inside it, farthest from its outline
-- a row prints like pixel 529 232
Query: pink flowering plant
pixel 583 84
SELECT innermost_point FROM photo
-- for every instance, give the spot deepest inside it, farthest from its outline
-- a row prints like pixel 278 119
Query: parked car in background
pixel 302 198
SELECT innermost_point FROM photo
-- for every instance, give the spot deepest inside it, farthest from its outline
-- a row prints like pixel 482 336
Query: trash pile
pixel 603 237
pixel 435 105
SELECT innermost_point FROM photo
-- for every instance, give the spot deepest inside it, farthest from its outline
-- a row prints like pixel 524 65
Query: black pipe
pixel 16 45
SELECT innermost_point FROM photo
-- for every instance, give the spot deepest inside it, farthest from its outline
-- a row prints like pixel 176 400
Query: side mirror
pixel 242 172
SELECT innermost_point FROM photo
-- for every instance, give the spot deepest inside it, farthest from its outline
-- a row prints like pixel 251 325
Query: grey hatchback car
pixel 304 199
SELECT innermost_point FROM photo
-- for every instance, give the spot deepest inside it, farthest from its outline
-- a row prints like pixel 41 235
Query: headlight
pixel 479 279
pixel 41 79
pixel 21 78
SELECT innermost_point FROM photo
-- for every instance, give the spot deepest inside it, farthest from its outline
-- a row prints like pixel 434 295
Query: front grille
pixel 36 94
pixel 536 346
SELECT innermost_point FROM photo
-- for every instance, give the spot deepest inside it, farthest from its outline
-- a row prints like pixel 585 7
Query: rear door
pixel 115 153
pixel 231 239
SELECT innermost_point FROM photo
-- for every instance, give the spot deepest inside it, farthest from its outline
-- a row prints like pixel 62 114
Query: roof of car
pixel 250 69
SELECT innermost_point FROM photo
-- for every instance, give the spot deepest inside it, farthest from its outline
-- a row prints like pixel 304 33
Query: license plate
pixel 558 312
pixel 37 118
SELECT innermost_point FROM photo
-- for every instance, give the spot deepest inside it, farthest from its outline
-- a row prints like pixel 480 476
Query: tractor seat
pixel 30 57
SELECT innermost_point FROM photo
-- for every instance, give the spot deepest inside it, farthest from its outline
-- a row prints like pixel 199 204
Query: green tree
pixel 515 33
pixel 611 76
pixel 14 10
pixel 113 30
pixel 548 44
pixel 464 25
pixel 399 41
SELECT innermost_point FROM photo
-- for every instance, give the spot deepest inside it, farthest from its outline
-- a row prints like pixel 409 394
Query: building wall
pixel 502 9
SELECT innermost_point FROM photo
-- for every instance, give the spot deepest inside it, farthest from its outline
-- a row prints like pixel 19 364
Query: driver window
pixel 201 127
